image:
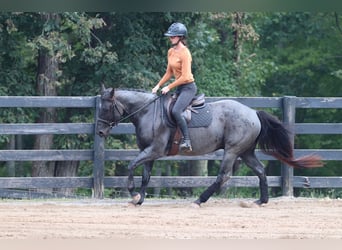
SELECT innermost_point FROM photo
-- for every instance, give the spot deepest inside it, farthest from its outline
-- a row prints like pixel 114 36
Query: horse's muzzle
pixel 103 131
pixel 101 134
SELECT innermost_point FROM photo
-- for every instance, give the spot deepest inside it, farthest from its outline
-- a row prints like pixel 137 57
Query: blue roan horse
pixel 235 128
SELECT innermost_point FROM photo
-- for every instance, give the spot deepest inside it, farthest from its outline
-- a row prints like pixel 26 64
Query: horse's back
pixel 237 117
pixel 234 108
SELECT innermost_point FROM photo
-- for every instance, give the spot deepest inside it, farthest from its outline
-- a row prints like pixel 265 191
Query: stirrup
pixel 185 146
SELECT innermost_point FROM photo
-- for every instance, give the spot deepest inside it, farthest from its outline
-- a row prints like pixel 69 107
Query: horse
pixel 235 128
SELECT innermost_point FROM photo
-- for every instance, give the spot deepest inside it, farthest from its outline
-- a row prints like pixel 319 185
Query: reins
pixel 115 123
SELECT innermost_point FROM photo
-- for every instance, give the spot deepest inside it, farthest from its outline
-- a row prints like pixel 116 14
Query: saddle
pixel 196 103
pixel 197 114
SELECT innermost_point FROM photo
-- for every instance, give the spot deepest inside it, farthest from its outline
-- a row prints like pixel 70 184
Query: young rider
pixel 179 67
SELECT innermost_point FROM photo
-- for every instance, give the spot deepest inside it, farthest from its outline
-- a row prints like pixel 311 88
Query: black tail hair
pixel 274 139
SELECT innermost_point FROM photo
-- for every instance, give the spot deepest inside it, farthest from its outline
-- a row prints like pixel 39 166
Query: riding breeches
pixel 186 93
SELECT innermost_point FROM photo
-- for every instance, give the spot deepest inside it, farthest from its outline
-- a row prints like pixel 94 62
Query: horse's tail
pixel 274 140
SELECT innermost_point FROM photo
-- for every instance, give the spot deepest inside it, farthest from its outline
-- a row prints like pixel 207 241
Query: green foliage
pixel 221 69
pixel 333 193
pixel 305 48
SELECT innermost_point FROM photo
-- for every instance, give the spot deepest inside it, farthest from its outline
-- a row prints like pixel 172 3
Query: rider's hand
pixel 165 90
pixel 155 89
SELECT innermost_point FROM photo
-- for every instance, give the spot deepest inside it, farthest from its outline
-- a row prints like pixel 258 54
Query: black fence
pixel 99 154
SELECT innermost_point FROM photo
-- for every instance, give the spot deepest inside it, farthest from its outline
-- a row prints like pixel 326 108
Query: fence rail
pixel 98 154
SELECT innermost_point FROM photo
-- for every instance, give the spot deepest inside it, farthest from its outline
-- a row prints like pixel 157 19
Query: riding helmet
pixel 177 29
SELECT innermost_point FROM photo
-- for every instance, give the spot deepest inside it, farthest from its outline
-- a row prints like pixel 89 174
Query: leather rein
pixel 115 103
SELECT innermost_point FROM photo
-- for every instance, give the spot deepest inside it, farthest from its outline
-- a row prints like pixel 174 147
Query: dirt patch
pixel 282 218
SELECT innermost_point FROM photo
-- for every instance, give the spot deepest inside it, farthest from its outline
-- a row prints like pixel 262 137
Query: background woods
pixel 234 54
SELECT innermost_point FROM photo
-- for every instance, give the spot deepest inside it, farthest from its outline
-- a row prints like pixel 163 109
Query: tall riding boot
pixel 186 143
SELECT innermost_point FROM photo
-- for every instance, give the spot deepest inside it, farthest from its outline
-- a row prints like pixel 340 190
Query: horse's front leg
pixel 138 198
pixel 146 157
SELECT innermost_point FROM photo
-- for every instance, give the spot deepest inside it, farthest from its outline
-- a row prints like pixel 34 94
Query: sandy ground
pixel 282 218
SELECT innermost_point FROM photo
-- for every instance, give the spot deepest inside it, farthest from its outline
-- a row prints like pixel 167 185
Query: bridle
pixel 114 107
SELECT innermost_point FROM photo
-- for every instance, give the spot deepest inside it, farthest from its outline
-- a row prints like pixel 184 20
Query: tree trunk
pixel 48 66
pixel 237 46
pixel 10 165
pixel 66 169
pixel 238 19
pixel 46 86
pixel 19 165
pixel 199 168
pixel 273 169
pixel 121 170
pixel 192 168
pixel 46 79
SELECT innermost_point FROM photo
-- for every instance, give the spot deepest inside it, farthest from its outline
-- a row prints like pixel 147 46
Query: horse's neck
pixel 133 100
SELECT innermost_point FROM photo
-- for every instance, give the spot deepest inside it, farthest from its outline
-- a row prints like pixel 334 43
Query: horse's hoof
pixel 248 204
pixel 131 204
pixel 195 205
pixel 136 198
pixel 260 203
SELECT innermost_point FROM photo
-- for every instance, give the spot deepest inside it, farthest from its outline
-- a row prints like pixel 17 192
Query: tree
pixel 16 78
pixel 54 48
pixel 306 48
pixel 49 41
pixel 48 68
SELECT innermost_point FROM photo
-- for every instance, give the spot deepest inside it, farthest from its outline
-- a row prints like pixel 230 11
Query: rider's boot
pixel 185 145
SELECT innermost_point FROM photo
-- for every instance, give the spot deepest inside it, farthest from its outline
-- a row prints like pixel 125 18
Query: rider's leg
pixel 185 144
pixel 186 93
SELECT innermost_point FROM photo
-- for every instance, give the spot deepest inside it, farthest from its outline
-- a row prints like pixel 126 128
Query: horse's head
pixel 110 112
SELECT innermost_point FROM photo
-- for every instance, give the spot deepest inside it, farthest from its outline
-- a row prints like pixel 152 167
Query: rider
pixel 179 67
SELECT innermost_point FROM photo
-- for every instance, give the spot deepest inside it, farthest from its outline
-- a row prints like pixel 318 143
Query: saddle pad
pixel 201 118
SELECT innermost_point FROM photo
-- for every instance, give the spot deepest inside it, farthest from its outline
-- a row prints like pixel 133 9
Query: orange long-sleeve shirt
pixel 179 66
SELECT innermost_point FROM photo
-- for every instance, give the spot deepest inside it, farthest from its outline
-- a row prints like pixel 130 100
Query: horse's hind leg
pixel 259 170
pixel 226 170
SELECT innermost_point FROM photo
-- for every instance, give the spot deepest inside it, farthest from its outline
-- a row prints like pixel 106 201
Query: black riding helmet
pixel 177 29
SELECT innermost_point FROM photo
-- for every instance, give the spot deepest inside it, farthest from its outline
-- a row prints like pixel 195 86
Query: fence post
pixel 289 116
pixel 99 160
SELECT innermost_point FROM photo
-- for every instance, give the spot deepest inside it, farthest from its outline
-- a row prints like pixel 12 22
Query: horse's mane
pixel 129 92
pixel 132 89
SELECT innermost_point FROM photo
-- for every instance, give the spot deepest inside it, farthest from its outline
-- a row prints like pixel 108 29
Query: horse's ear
pixel 112 93
pixel 103 88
